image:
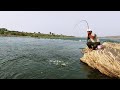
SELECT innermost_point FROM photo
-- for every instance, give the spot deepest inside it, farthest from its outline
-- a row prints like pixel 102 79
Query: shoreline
pixel 7 33
pixel 38 37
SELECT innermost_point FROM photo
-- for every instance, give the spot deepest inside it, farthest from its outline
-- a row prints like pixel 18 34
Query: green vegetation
pixel 5 32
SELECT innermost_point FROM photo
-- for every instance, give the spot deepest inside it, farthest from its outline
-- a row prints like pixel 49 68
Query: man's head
pixel 89 31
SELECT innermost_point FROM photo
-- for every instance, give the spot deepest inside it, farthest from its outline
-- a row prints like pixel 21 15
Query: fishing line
pixel 80 22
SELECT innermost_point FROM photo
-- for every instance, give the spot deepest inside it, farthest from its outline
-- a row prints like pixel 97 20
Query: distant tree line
pixel 6 32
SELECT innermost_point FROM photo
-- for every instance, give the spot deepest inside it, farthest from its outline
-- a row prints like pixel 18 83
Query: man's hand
pixel 88 38
pixel 92 36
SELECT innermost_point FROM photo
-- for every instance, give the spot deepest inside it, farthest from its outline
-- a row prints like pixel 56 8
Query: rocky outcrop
pixel 106 60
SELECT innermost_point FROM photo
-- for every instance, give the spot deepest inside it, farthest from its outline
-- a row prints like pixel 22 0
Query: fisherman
pixel 92 40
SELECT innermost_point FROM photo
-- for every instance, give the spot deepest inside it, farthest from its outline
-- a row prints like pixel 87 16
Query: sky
pixel 103 23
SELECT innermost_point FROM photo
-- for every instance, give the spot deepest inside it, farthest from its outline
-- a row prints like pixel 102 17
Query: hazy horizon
pixel 103 23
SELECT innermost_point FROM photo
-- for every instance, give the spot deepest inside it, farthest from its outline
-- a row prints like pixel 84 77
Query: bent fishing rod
pixel 82 21
pixel 86 23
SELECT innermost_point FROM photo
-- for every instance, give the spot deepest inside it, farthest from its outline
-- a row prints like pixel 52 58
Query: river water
pixel 33 58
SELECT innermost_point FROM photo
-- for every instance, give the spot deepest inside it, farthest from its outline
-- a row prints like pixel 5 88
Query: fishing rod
pixel 86 23
pixel 82 21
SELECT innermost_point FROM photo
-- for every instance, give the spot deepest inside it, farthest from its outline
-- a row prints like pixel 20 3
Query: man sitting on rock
pixel 92 40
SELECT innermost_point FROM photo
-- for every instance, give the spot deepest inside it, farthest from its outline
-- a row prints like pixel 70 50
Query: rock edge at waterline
pixel 106 60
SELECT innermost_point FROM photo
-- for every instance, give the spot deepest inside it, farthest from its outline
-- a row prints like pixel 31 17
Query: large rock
pixel 106 60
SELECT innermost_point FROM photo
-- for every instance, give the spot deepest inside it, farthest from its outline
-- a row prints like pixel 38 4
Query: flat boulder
pixel 106 60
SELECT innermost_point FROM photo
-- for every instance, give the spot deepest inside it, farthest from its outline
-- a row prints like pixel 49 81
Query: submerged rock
pixel 106 60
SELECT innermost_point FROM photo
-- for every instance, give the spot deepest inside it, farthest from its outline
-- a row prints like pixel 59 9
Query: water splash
pixel 58 62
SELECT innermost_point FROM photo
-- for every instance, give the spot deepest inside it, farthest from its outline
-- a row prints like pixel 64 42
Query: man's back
pixel 93 40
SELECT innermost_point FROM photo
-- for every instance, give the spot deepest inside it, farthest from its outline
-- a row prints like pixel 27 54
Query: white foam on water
pixel 82 40
pixel 58 62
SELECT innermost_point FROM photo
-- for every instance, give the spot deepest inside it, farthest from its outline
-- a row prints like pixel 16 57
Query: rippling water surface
pixel 32 58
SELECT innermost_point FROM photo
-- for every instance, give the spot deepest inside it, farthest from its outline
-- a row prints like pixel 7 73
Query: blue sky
pixel 103 23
